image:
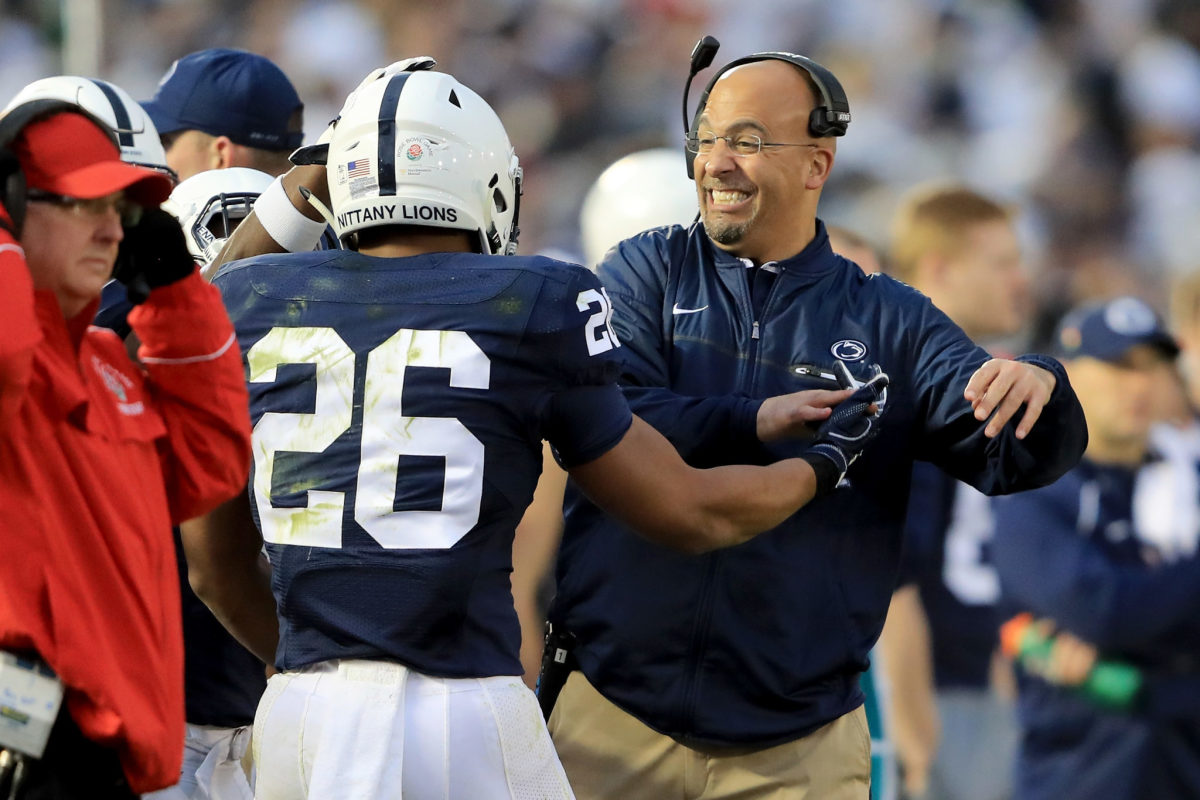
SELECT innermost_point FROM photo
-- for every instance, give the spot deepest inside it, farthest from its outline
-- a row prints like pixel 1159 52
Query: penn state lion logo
pixel 849 350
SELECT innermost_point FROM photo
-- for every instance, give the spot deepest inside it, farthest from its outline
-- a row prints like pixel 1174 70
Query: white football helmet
pixel 420 148
pixel 210 204
pixel 136 134
pixel 643 190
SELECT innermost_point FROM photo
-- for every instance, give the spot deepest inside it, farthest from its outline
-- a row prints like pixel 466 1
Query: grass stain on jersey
pixel 304 520
pixel 294 312
pixel 379 312
pixel 510 305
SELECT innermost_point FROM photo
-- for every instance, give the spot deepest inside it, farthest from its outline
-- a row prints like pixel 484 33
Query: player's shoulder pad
pixel 288 260
pixel 553 269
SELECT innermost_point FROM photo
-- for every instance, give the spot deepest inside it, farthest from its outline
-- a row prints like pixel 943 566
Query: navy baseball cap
pixel 1107 331
pixel 230 93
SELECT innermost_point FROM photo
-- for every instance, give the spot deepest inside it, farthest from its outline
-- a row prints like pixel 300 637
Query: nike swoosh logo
pixel 677 310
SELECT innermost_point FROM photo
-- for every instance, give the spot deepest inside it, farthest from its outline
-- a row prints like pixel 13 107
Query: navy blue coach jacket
pixel 764 642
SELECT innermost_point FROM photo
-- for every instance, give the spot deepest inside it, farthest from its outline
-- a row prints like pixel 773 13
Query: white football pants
pixel 369 730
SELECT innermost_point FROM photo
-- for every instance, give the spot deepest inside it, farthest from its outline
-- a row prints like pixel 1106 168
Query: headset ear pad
pixel 12 178
pixel 12 189
pixel 831 116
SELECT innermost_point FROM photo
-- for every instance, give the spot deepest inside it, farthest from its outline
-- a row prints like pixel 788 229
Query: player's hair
pixel 937 219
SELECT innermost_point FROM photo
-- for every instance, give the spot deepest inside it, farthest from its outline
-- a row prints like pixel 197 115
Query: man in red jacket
pixel 100 456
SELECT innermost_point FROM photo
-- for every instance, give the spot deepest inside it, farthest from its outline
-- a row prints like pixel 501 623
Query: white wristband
pixel 285 223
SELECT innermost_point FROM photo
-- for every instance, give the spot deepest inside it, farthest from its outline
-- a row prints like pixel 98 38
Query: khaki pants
pixel 609 754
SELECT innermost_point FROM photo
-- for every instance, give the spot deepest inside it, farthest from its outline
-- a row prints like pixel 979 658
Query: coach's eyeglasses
pixel 129 211
pixel 740 144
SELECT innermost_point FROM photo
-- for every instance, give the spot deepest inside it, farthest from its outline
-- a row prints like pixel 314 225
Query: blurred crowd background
pixel 1084 114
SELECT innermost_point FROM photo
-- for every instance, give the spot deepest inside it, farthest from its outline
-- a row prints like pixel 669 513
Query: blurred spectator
pixel 960 248
pixel 223 108
pixel 1106 558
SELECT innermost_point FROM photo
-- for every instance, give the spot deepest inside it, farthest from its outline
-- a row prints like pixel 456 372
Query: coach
pixel 735 673
pixel 98 456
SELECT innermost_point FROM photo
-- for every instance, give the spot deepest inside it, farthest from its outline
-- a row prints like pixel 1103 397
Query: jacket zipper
pixel 703 617
pixel 756 332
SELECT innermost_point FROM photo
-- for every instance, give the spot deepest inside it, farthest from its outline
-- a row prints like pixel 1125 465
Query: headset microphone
pixel 702 55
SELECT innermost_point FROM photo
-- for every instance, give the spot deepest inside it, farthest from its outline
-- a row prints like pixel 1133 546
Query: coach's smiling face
pixel 762 206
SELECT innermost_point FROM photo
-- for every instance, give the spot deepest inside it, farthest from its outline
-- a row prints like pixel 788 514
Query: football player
pixel 400 396
pixel 136 134
pixel 210 204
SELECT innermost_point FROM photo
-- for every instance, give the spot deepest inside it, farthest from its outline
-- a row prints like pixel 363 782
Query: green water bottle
pixel 1111 684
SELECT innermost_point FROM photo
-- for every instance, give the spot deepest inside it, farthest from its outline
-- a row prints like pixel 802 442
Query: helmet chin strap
pixel 316 203
pixel 518 189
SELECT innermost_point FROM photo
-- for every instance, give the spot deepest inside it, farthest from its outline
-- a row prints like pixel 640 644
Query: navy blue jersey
pixel 1073 552
pixel 947 554
pixel 399 408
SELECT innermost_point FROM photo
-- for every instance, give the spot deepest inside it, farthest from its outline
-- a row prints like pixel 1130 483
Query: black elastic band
pixel 387 134
pixel 120 113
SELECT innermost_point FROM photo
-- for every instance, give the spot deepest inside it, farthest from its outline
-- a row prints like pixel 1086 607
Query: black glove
pixel 152 254
pixel 12 193
pixel 847 432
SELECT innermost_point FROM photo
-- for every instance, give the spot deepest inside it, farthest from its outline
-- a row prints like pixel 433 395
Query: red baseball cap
pixel 67 154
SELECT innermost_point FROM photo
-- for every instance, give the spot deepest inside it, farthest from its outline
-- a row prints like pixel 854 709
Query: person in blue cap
pixel 1092 557
pixel 221 108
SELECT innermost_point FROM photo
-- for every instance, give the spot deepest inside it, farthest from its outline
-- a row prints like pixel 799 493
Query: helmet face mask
pixel 209 205
pixel 420 148
pixel 136 134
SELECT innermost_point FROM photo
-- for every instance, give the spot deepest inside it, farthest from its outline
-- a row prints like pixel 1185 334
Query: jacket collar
pixel 54 326
pixel 815 259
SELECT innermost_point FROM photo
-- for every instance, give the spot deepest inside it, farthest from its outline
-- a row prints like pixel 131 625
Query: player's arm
pixel 534 547
pixel 227 571
pixel 284 213
pixel 644 482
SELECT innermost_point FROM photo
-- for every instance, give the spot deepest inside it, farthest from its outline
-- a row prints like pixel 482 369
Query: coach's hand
pixel 796 414
pixel 152 254
pixel 841 439
pixel 1000 387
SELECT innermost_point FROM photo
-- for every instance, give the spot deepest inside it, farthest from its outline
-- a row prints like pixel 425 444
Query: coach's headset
pixel 12 178
pixel 830 117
